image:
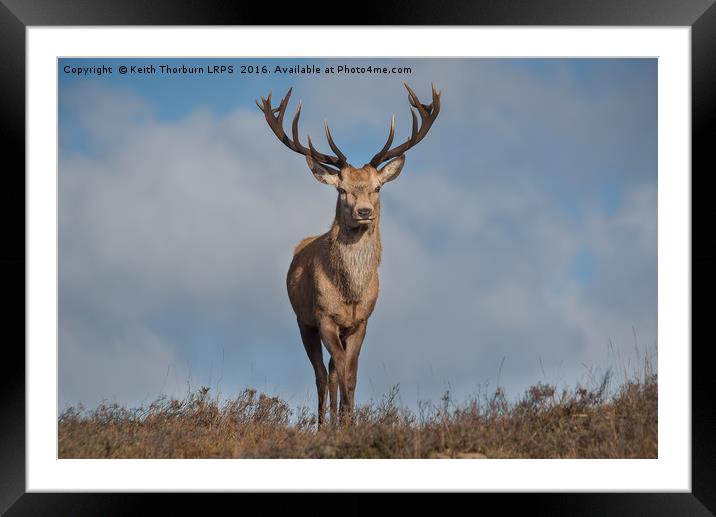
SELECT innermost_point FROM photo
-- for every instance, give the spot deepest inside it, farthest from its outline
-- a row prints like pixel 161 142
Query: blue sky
pixel 523 227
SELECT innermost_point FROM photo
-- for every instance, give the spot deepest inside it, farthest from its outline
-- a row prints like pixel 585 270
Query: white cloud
pixel 123 363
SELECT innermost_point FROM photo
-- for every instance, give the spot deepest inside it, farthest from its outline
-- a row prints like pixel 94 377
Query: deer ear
pixel 391 170
pixel 321 173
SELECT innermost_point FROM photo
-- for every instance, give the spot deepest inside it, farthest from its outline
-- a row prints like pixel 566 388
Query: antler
pixel 428 114
pixel 276 125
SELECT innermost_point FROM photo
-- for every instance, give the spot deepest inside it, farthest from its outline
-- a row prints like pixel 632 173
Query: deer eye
pixel 341 191
pixel 377 189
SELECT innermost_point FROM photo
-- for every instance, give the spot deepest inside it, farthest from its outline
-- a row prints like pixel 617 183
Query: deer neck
pixel 354 257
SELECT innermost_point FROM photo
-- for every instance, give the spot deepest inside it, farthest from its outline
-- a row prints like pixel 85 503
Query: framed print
pixel 531 231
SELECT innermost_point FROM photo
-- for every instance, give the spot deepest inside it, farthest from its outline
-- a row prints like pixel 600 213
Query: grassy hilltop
pixel 543 423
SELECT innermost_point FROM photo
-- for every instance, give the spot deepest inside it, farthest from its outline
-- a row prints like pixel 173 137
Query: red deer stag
pixel 333 278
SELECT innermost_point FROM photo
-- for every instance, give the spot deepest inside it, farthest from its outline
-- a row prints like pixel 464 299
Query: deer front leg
pixel 330 335
pixel 353 343
pixel 312 344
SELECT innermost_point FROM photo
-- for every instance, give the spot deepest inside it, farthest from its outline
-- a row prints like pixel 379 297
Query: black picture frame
pixel 17 15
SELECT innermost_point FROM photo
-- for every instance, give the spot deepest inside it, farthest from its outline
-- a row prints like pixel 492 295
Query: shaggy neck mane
pixel 354 257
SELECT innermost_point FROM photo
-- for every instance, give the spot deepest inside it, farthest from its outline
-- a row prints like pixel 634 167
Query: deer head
pixel 358 204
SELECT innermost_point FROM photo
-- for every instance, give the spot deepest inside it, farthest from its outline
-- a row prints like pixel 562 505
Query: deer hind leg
pixel 333 389
pixel 312 344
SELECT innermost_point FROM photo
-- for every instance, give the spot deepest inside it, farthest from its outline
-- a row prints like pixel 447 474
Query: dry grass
pixel 543 423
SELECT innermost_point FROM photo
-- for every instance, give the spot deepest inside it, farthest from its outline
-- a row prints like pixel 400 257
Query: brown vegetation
pixel 543 423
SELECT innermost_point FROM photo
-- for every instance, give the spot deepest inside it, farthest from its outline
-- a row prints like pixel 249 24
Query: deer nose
pixel 365 212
